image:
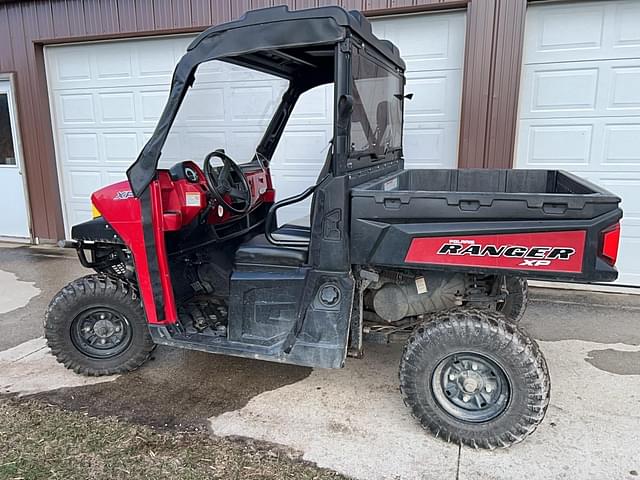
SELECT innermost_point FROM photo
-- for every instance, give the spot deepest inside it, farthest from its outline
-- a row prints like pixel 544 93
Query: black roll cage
pixel 307 47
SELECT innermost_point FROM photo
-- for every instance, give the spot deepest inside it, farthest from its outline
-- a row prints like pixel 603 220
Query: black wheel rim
pixel 101 332
pixel 470 387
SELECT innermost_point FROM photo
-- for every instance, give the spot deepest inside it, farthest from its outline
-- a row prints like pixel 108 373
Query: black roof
pixel 354 20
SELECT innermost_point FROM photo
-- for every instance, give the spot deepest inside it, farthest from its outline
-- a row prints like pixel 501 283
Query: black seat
pixel 259 251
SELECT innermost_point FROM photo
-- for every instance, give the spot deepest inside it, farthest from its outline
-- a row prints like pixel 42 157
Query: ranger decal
pixel 554 251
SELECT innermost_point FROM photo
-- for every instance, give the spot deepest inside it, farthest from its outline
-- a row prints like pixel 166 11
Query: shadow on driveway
pixel 178 389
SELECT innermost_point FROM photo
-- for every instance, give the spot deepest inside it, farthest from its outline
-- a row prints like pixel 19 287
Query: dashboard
pixel 185 194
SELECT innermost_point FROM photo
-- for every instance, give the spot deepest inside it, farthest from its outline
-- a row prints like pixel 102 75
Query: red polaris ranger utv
pixel 192 256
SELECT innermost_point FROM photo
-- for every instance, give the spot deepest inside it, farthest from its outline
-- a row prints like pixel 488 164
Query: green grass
pixel 43 442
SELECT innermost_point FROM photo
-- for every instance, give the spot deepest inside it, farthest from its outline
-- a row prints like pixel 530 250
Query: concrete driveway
pixel 351 420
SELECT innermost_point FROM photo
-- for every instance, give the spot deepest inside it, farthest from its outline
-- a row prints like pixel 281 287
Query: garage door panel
pixel 77 108
pixel 241 143
pixel 251 103
pixel 592 31
pixel 112 61
pixel 204 105
pixel 80 147
pixel 626 33
pixel 72 67
pixel 621 145
pixel 82 183
pixel 426 145
pixel 545 144
pixel 441 40
pixel 198 144
pixel 579 103
pixel 560 29
pixel 436 96
pixel 116 107
pixel 625 91
pixel 151 104
pixel 152 59
pixel 120 147
pixel 562 90
pixel 302 148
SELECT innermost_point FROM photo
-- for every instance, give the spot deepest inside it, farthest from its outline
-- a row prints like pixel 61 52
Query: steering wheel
pixel 228 184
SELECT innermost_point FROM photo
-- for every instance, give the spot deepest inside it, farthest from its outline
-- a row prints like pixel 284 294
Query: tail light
pixel 609 243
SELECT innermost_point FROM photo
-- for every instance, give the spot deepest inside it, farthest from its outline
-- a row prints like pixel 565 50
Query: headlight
pixel 95 213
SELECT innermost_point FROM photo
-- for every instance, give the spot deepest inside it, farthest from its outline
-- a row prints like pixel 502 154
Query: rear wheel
pixel 515 303
pixel 96 326
pixel 472 377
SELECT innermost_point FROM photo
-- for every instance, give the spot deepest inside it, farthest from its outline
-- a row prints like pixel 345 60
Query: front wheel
pixel 472 377
pixel 96 326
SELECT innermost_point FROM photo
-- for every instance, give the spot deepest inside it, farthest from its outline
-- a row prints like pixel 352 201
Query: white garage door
pixel 106 98
pixel 580 103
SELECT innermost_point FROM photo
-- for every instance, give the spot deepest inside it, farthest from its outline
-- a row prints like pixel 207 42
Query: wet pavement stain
pixel 556 315
pixel 615 361
pixel 178 389
pixel 48 269
pixel 17 292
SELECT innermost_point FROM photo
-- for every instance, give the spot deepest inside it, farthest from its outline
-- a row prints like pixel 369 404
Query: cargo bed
pixel 407 219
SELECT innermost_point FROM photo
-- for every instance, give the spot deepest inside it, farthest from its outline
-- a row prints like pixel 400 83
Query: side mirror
pixel 345 107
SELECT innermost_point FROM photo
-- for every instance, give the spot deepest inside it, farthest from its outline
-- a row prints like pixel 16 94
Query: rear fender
pixel 568 250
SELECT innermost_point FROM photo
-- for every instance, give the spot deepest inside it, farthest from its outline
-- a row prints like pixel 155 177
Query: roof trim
pixel 353 20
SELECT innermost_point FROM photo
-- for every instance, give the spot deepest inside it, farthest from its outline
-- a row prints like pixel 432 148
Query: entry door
pixel 14 221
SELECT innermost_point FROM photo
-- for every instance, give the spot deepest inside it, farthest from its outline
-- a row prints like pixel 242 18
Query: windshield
pixel 376 121
pixel 229 107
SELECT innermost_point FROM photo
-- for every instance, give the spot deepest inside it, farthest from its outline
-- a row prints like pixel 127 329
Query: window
pixel 229 107
pixel 7 155
pixel 376 121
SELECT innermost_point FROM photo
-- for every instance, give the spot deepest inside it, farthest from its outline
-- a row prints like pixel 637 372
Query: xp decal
pixel 123 195
pixel 557 251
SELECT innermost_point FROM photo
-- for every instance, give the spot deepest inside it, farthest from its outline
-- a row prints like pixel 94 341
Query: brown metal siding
pixel 475 83
pixel 491 81
pixel 26 25
pixel 507 65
